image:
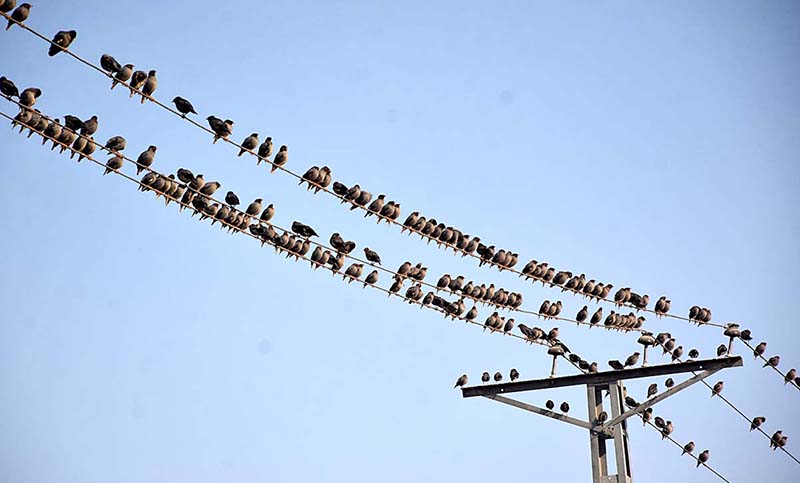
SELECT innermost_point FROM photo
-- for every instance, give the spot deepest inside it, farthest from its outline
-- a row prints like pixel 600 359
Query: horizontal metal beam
pixel 543 412
pixel 605 377
pixel 660 397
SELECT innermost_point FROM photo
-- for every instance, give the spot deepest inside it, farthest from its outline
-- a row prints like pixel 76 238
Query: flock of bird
pixel 192 190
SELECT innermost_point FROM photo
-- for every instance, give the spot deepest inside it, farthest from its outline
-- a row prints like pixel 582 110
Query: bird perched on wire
pixel 461 381
pixel 646 415
pixel 513 375
pixel 8 88
pixel 122 75
pixel 564 407
pixel 222 129
pixel 757 422
pixel 183 106
pixel 759 350
pixel 254 208
pixel 138 78
pixel 616 365
pixel 19 15
pixel 688 448
pixel 597 316
pixel 115 143
pixel 666 430
pixel 232 199
pixel 303 229
pixel 29 96
pixel 702 458
pixel 632 360
pixel 354 272
pixel 145 160
pixel 694 354
pixel 249 144
pixel 109 64
pixel 717 389
pixel 268 213
pixel 652 390
pixel 498 376
pixel 281 158
pixel 113 164
pixel 773 361
pixel 669 382
pixel 549 404
pixel 372 255
pixel 774 441
pixel 789 377
pixel 61 41
pixel 149 86
pixel 371 278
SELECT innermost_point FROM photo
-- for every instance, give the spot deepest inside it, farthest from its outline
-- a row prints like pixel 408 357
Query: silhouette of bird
pixel 632 359
pixel 19 15
pixel 249 144
pixel 667 430
pixel 303 230
pixel 183 106
pixel 372 256
pixel 231 198
pixel 281 158
pixel 61 41
pixel 773 361
pixel 616 365
pixel 790 376
pixel 485 377
pixel 652 390
pixel 549 404
pixel 702 458
pixel 498 376
pixel 717 389
pixel 513 375
pixel 564 407
pixel 694 353
pixel 582 314
pixel 461 381
pixel 149 86
pixel 688 448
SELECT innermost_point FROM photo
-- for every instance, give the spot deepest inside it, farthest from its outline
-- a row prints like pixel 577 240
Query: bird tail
pixel 274 167
pixel 241 152
pixel 10 23
pixel 113 84
pixel 108 170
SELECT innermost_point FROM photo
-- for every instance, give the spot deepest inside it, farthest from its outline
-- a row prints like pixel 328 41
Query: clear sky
pixel 648 145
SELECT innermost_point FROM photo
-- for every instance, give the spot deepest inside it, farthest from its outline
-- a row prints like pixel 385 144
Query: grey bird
pixel 702 458
pixel 113 164
pixel 268 213
pixel 210 187
pixel 88 149
pixel 485 377
pixel 354 272
pixel 472 314
pixel 28 96
pixel 372 256
pixel 760 349
pixel 461 381
pixel 109 64
pixel 115 143
pixel 790 376
pixel 646 415
pixel 78 146
pixel 183 106
pixel 513 375
pixel 688 448
pixel 88 127
pixel 150 85
pixel 549 404
pixel 8 88
pixel 773 361
pixel 265 150
pixel 281 158
pixel 632 359
pixel 717 389
pixel 254 208
pixel 371 278
pixel 249 143
pixel 19 15
pixel 122 75
pixel 52 131
pixel 145 160
pixel 757 422
pixel 564 407
pixel 138 78
pixel 61 41
pixel 652 390
pixel 669 382
pixel 376 206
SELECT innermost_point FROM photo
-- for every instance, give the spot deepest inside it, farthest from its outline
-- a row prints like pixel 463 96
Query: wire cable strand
pixel 326 190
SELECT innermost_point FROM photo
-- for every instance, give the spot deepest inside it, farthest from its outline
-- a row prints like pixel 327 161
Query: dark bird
pixel 688 448
pixel 281 158
pixel 249 143
pixel 667 430
pixel 87 127
pixel 721 350
pixel 760 349
pixel 109 64
pixel 616 365
pixel 646 415
pixel 232 199
pixel 498 376
pixel 145 160
pixel 669 382
pixel 549 404
pixel 789 377
pixel 265 150
pixel 115 143
pixel 660 423
pixel 601 418
pixel 61 41
pixel 338 188
pixel 268 213
pixel 371 278
pixel 372 256
pixel 8 88
pixel 631 402
pixel 717 388
pixel 677 353
pixel 597 316
pixel 461 381
pixel 113 164
pixel 513 375
pixel 254 208
pixel 702 458
pixel 150 85
pixel 183 106
pixel 485 377
pixel 564 407
pixel 19 15
pixel 303 229
pixel 652 390
pixel 7 5
pixel 694 353
pixel 773 361
pixel 122 75
pixel 632 359
pixel 757 422
pixel 138 78
pixel 28 96
pixel 582 314
pixel 222 129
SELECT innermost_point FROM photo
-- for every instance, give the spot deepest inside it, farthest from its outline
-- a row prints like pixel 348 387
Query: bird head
pixel 151 73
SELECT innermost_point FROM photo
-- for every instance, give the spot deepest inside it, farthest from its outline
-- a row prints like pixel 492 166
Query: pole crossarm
pixel 660 397
pixel 598 378
pixel 542 411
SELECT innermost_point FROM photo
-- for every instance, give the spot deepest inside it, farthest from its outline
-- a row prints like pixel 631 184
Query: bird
pixel 717 388
pixel 61 41
pixel 303 230
pixel 757 422
pixel 265 150
pixel 694 353
pixel 677 353
pixel 616 365
pixel 28 96
pixel 652 389
pixel 564 407
pixel 145 160
pixel 8 88
pixel 183 106
pixel 582 314
pixel 150 85
pixel 597 316
pixel 773 361
pixel 87 127
pixel 231 198
pixel 669 382
pixel 376 206
pixel 372 256
pixel 632 359
pixel 688 448
pixel 485 377
pixel 113 164
pixel 222 129
pixel 498 376
pixel 601 418
pixel 702 458
pixel 759 350
pixel 122 75
pixel 371 278
pixel 254 208
pixel 461 381
pixel 19 15
pixel 789 377
pixel 549 404
pixel 721 350
pixel 249 143
pixel 138 78
pixel 353 271
pixel 109 64
pixel 513 375
pixel 646 415
pixel 281 158
pixel 115 143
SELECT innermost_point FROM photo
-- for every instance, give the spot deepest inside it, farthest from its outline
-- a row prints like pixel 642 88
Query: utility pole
pixel 616 428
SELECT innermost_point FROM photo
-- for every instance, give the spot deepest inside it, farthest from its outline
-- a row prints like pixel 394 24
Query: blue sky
pixel 652 146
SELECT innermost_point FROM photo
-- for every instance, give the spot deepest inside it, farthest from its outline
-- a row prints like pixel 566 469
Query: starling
pixel 268 213
pixel 485 377
pixel 372 256
pixel 677 353
pixel 232 199
pixel 303 229
pixel 19 15
pixel 115 143
pixel 281 158
pixel 222 129
pixel 138 78
pixel 597 316
pixel 462 381
pixel 28 96
pixel 150 85
pixel 688 448
pixel 61 41
pixel 721 350
pixel 513 375
pixel 249 143
pixel 694 353
pixel 652 390
pixel 593 367
pixel 789 377
pixel 122 75
pixel 667 430
pixel 549 404
pixel 702 458
pixel 646 415
pixel 582 314
pixel 87 127
pixel 601 418
pixel 8 88
pixel 498 376
pixel 757 422
pixel 146 159
pixel 660 423
pixel 265 150
pixel 669 382
pixel 109 64
pixel 760 349
pixel 113 164
pixel 564 407
pixel 255 207
pixel 183 106
pixel 616 365
pixel 773 361
pixel 632 359
pixel 338 188
pixel 371 278
pixel 717 388
pixel 209 188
